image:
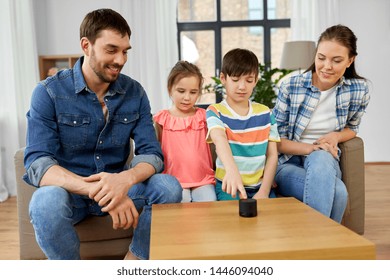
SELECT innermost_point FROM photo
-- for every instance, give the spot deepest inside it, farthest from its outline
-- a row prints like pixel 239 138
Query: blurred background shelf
pixel 47 62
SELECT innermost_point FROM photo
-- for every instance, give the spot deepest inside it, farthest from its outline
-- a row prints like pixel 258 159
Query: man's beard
pixel 104 78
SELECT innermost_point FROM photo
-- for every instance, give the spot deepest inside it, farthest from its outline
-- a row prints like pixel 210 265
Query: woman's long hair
pixel 343 35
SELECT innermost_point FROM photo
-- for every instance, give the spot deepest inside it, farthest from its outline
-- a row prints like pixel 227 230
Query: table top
pixel 284 228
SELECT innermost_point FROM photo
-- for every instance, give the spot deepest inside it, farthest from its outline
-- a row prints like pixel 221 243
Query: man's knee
pixel 168 187
pixel 45 200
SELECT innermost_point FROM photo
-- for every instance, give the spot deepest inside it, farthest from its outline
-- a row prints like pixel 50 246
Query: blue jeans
pixel 199 194
pixel 316 181
pixel 54 212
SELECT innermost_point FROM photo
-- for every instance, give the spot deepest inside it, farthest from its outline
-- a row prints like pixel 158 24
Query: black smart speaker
pixel 248 207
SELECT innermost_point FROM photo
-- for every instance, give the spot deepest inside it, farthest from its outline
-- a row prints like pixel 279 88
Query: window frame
pixel 217 26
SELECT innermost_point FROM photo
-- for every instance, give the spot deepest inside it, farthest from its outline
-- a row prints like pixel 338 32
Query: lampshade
pixel 298 55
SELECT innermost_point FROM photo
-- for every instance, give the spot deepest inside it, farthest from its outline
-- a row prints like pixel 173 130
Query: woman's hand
pixel 331 138
pixel 329 143
pixel 327 147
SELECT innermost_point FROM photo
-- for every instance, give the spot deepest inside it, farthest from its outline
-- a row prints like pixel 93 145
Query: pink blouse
pixel 187 156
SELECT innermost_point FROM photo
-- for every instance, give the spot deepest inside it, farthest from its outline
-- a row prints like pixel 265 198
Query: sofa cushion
pixel 95 228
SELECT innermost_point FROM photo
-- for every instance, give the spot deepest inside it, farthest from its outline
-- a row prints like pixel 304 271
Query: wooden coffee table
pixel 284 228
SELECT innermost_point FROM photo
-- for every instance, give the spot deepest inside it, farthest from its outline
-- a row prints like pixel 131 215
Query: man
pixel 79 127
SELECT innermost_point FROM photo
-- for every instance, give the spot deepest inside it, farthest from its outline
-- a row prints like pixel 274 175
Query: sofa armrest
pixel 29 248
pixel 98 240
pixel 352 168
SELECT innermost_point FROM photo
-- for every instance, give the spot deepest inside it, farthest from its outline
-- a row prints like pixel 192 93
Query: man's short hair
pixel 103 19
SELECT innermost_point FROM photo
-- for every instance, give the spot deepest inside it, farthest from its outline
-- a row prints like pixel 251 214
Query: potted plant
pixel 265 90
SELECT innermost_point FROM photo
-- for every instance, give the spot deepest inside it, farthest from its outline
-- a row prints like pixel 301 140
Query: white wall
pixel 58 32
pixel 370 21
pixel 58 23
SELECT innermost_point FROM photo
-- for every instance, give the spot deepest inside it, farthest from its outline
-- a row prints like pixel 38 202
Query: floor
pixel 377 223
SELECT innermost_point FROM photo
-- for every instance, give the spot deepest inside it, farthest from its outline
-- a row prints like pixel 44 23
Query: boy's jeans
pixel 315 180
pixel 54 212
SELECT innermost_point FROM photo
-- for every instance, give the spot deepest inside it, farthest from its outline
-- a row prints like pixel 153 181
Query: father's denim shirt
pixel 66 126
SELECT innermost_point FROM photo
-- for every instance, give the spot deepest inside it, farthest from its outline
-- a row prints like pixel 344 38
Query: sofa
pixel 352 168
pixel 99 241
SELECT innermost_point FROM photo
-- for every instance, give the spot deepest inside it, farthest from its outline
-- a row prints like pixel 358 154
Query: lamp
pixel 298 55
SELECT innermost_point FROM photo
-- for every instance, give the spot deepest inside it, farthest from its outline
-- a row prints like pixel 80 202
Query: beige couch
pixel 352 167
pixel 100 241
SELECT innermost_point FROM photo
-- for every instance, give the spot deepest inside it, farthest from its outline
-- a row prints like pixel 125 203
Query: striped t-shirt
pixel 248 138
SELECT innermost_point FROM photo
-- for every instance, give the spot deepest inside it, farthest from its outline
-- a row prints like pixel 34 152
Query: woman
pixel 315 111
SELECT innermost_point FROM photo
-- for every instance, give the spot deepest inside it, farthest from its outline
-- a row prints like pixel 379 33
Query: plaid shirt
pixel 298 98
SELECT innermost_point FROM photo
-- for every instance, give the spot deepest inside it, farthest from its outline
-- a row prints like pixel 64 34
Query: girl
pixel 182 132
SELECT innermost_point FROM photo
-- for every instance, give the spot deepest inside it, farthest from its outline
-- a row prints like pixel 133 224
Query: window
pixel 209 28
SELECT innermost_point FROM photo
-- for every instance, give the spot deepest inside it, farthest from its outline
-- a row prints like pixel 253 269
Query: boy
pixel 244 132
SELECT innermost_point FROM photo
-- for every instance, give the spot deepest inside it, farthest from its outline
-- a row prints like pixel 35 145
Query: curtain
pixel 18 77
pixel 154 52
pixel 309 18
pixel 154 46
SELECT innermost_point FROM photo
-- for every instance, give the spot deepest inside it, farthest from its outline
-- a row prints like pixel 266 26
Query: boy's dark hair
pixel 238 62
pixel 103 19
pixel 181 70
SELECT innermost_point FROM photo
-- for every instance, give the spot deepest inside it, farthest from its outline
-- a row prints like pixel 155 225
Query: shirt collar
pixel 344 81
pixel 81 85
pixel 306 79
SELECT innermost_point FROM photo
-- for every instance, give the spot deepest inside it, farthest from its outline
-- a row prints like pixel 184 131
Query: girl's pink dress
pixel 187 156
